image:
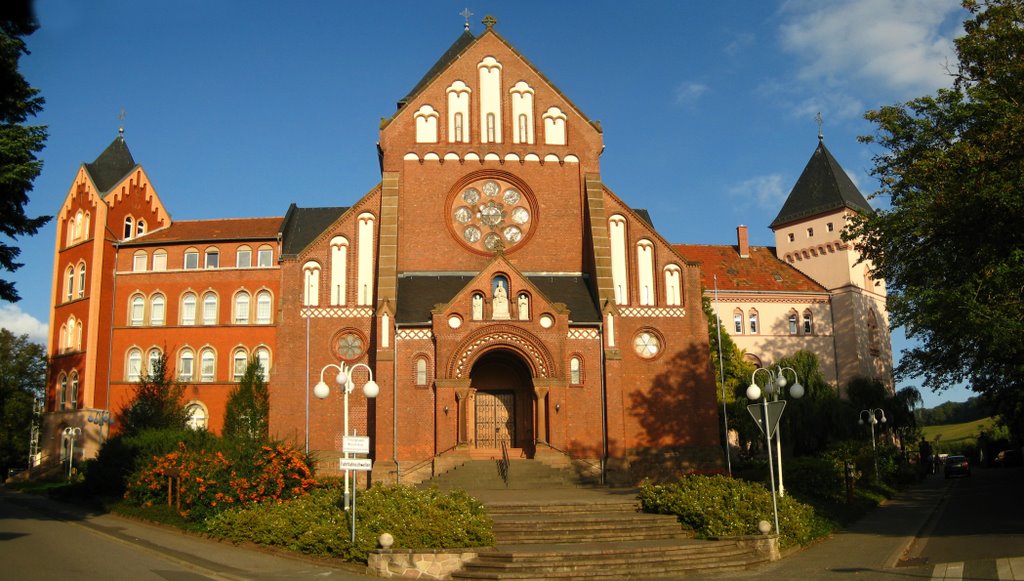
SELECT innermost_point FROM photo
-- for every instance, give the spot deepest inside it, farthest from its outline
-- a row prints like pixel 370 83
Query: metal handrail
pixel 503 464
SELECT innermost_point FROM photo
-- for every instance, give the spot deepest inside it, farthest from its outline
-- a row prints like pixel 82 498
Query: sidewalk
pixel 207 557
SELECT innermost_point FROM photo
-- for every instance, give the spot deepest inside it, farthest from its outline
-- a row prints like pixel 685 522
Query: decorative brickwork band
pixel 645 312
pixel 583 334
pixel 530 347
pixel 336 312
pixel 408 334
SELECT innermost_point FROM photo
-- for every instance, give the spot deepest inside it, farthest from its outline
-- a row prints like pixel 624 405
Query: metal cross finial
pixel 121 116
pixel 820 122
pixel 489 21
pixel 466 14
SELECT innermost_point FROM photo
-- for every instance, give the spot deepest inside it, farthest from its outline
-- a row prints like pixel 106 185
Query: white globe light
pixel 371 389
pixel 797 391
pixel 764 527
pixel 753 392
pixel 321 390
pixel 385 540
pixel 342 378
pixel 781 381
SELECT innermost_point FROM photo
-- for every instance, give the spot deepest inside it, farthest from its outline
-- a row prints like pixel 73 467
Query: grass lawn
pixel 965 433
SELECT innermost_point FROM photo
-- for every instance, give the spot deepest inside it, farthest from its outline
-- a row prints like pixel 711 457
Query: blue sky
pixel 241 108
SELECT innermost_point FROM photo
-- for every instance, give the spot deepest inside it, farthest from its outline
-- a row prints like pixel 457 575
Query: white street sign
pixel 355 444
pixel 358 464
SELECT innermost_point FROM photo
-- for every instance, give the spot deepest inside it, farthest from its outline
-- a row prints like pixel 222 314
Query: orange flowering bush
pixel 211 481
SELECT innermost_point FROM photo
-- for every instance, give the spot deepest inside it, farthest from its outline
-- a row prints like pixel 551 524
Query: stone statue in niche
pixel 478 307
pixel 523 309
pixel 499 306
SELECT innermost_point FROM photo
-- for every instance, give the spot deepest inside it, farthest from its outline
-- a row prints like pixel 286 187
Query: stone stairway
pixel 548 525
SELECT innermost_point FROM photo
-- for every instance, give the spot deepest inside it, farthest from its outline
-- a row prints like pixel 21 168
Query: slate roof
pixel 822 187
pixel 302 225
pixel 461 43
pixel 231 229
pixel 418 294
pixel 112 165
pixel 761 272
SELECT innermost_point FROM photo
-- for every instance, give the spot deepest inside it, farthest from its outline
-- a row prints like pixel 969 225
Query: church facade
pixel 500 294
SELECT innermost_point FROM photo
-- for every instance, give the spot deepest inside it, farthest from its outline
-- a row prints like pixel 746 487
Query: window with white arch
pixel 575 371
pixel 311 284
pixel 81 279
pixel 554 126
pixel 426 124
pixel 339 269
pixel 421 371
pixel 210 308
pixel 645 272
pixel 263 356
pixel 157 310
pixel 239 361
pixel 62 392
pixel 137 309
pixel 490 100
pixel 620 279
pixel 188 309
pixel 264 304
pixel 458 112
pixel 522 112
pixel 197 416
pixel 365 261
pixel 186 364
pixel 133 365
pixel 69 284
pixel 737 322
pixel 673 286
pixel 241 315
pixel 129 227
pixel 73 399
pixel 207 365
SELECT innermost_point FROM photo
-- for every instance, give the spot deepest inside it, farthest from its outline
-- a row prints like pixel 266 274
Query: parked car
pixel 957 466
pixel 1008 458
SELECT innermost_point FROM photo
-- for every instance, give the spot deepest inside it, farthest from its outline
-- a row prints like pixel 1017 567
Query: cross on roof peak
pixel 489 21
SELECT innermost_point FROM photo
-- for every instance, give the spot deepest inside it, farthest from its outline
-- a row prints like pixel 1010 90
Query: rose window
pixel 491 214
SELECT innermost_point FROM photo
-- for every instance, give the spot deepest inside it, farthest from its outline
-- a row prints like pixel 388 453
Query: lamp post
pixel 775 384
pixel 345 382
pixel 103 419
pixel 875 415
pixel 70 434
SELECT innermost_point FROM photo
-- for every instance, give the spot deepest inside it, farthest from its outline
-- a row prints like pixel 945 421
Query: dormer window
pixel 810 232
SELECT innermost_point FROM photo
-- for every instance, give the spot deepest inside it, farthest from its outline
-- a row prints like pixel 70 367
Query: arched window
pixel 575 371
pixel 645 271
pixel 241 308
pixel 489 70
pixel 239 360
pixel 421 371
pixel 140 227
pixel 69 284
pixel 460 127
pixel 157 310
pixel 77 226
pixel 263 308
pixel 554 126
pixel 62 339
pixel 458 112
pixel 62 392
pixel 81 279
pixel 210 309
pixel 139 260
pixel 673 286
pixel 133 370
pixel 128 227
pixel 152 359
pixel 737 321
pixel 365 265
pixel 73 399
pixel 808 323
pixel 792 320
pixel 265 257
pixel 521 95
pixel 188 309
pixel 207 365
pixel 191 259
pixel 426 124
pixel 263 356
pixel 196 414
pixel 137 311
pixel 243 257
pixel 186 364
pixel 754 324
pixel 311 284
pixel 212 258
pixel 160 261
pixel 620 280
pixel 339 269
pixel 78 335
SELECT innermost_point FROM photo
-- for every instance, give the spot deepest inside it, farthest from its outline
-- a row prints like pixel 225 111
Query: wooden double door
pixel 495 419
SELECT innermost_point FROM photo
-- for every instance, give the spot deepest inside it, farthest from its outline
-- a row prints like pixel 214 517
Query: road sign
pixel 355 444
pixel 358 464
pixel 774 413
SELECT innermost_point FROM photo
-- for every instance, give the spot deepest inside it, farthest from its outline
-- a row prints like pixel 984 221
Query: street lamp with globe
pixel 875 416
pixel 347 384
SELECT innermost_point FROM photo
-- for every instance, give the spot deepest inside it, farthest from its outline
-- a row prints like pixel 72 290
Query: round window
pixel 349 345
pixel 490 214
pixel 647 344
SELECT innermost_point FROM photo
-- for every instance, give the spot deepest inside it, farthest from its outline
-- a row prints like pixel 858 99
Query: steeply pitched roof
pixel 761 272
pixel 212 231
pixel 418 294
pixel 822 187
pixel 112 165
pixel 302 225
pixel 461 43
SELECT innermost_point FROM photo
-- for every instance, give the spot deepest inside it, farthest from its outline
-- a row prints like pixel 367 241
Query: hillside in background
pixel 953 412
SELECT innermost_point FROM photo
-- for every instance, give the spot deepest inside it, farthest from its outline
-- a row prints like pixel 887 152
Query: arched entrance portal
pixel 504 402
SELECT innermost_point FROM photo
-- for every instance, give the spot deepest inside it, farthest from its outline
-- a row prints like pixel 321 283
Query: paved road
pixel 40 539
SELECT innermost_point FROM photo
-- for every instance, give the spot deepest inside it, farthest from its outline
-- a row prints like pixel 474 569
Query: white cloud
pixel 740 43
pixel 20 323
pixel 687 93
pixel 766 192
pixel 899 45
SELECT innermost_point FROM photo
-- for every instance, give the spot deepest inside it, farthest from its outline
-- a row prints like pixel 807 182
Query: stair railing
pixel 503 463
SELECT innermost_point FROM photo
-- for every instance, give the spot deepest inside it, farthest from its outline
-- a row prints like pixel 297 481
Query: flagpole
pixel 721 374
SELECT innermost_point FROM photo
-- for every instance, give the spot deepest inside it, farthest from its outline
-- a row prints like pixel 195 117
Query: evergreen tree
pixel 22 379
pixel 157 404
pixel 19 143
pixel 248 408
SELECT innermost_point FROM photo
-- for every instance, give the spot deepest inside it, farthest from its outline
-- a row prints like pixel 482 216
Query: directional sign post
pixel 774 411
pixel 355 445
pixel 357 464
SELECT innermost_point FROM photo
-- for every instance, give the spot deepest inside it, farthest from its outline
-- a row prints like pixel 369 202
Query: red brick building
pixel 499 291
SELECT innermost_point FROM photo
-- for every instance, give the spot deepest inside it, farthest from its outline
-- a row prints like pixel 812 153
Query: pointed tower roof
pixel 112 165
pixel 823 187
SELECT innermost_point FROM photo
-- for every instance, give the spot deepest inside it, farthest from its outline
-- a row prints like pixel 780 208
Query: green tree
pixel 950 246
pixel 22 379
pixel 19 143
pixel 248 408
pixel 157 403
pixel 817 420
pixel 737 370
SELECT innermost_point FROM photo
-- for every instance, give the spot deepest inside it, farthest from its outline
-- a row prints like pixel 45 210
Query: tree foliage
pixel 248 409
pixel 951 246
pixel 157 403
pixel 19 143
pixel 22 379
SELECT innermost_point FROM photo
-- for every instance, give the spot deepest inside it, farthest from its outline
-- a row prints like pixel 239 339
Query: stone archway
pixel 504 402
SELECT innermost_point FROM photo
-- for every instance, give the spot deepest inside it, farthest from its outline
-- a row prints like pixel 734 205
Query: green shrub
pixel 120 456
pixel 718 506
pixel 317 525
pixel 822 477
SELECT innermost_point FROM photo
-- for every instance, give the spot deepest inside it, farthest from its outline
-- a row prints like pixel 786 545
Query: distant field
pixel 951 433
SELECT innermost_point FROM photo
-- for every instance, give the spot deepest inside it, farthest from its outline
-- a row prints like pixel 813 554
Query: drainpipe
pixel 394 412
pixel 604 410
